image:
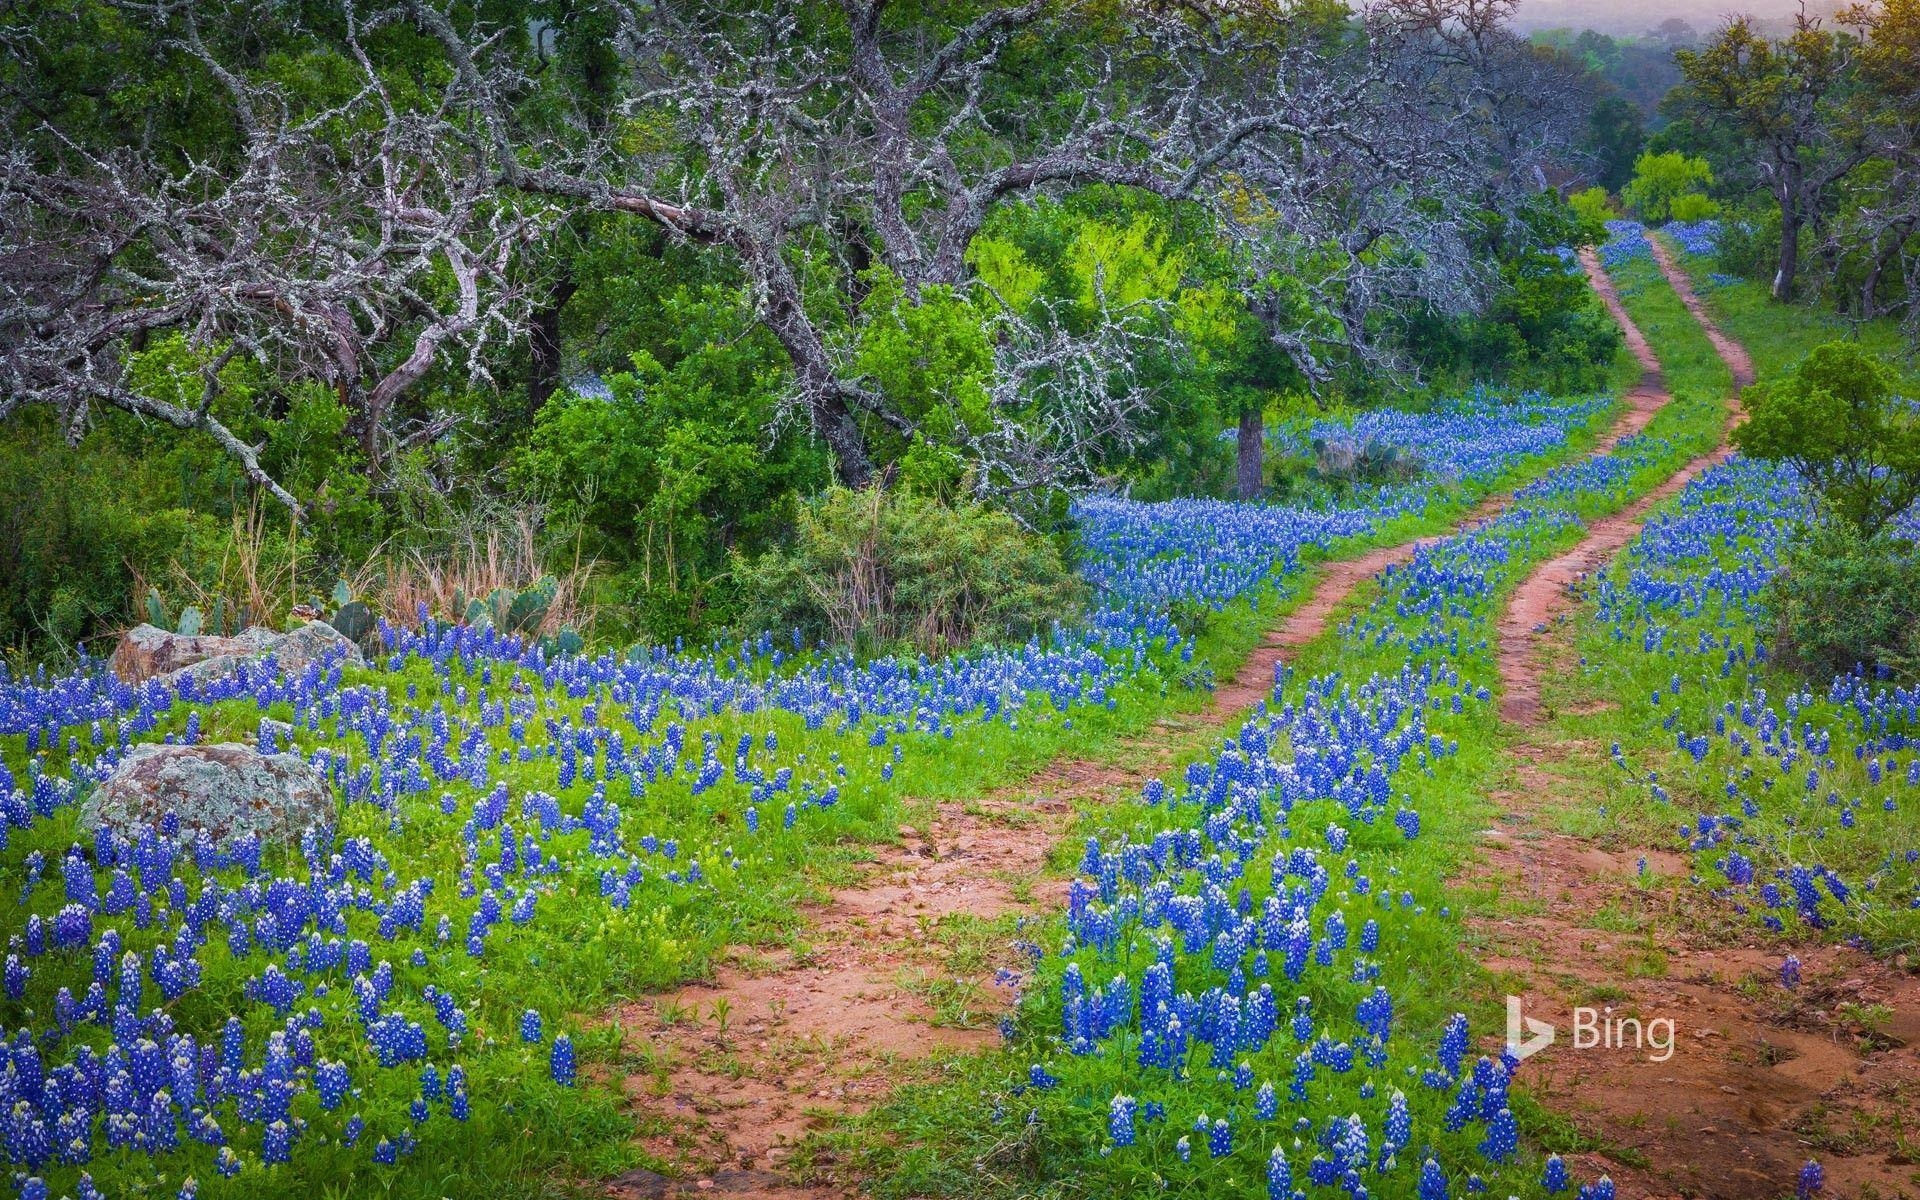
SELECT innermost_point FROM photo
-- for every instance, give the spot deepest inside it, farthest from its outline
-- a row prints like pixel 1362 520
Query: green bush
pixel 1693 207
pixel 1749 243
pixel 1594 208
pixel 1661 179
pixel 1840 423
pixel 675 468
pixel 1845 599
pixel 878 569
pixel 80 530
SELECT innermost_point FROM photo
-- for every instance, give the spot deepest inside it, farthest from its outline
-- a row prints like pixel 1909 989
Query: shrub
pixel 1749 242
pixel 1692 207
pixel 80 529
pixel 1838 422
pixel 1845 599
pixel 877 569
pixel 1660 179
pixel 1594 209
pixel 679 464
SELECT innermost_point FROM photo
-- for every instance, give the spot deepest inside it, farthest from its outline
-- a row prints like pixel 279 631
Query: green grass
pixel 1777 336
pixel 1693 371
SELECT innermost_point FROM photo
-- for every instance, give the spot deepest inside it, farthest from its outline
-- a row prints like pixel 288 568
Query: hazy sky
pixel 1638 16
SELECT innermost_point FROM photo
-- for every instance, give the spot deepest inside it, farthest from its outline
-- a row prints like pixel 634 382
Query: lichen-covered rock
pixel 147 651
pixel 229 790
pixel 309 644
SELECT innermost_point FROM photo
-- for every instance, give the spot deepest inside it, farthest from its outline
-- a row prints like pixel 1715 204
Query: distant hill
pixel 1635 17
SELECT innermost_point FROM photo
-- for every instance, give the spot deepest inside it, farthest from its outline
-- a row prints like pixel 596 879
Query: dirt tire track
pixel 1547 592
pixel 834 1031
pixel 1760 1079
pixel 1760 1076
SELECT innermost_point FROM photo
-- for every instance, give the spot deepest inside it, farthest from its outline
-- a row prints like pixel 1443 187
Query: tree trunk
pixel 1789 258
pixel 1870 289
pixel 1791 218
pixel 1251 484
pixel 852 467
pixel 543 343
pixel 359 428
pixel 784 313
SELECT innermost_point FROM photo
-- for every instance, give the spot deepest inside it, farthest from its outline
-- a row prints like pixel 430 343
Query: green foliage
pixel 1107 254
pixel 1845 599
pixel 80 529
pixel 1594 208
pixel 1633 73
pixel 1749 242
pixel 1659 179
pixel 676 467
pixel 1786 117
pixel 1693 207
pixel 932 354
pixel 1544 330
pixel 87 529
pixel 1616 134
pixel 877 569
pixel 1839 422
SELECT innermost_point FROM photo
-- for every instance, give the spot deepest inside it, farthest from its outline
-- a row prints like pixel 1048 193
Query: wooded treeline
pixel 654 272
pixel 1808 138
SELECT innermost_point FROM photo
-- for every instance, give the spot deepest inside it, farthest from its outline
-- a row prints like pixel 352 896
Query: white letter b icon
pixel 1539 1033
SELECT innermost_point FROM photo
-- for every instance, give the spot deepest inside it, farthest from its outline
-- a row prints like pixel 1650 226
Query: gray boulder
pixel 310 643
pixel 148 652
pixel 226 789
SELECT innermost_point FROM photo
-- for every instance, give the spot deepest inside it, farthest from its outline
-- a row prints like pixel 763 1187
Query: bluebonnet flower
pixel 561 1060
pixel 1399 1126
pixel 1220 1138
pixel 1120 1120
pixel 1503 1137
pixel 1554 1179
pixel 1279 1176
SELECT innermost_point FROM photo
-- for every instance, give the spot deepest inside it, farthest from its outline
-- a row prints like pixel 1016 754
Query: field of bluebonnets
pixel 522 835
pixel 1255 987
